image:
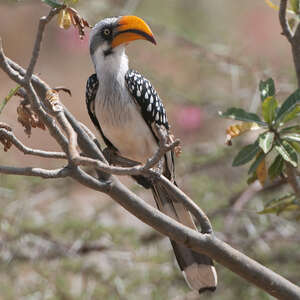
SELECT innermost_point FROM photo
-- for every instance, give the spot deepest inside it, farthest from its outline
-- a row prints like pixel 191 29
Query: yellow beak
pixel 132 28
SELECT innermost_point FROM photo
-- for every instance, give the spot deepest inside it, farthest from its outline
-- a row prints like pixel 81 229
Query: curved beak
pixel 131 28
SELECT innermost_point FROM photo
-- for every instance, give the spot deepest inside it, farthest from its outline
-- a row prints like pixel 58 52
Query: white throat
pixel 113 66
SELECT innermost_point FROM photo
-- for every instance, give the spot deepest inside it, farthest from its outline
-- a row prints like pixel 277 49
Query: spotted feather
pixel 145 95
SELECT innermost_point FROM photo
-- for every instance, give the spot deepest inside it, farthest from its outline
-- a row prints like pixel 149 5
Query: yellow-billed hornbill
pixel 124 107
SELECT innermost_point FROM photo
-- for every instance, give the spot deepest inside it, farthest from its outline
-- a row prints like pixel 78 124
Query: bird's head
pixel 114 33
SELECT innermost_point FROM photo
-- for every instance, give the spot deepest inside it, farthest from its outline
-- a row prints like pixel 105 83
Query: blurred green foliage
pixel 277 141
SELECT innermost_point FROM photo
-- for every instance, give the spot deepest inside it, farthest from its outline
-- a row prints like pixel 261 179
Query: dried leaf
pixel 3 140
pixel 61 88
pixel 29 119
pixel 261 172
pixel 238 129
pixel 177 149
pixel 272 5
pixel 64 19
pixel 78 21
pixel 11 93
pixel 53 98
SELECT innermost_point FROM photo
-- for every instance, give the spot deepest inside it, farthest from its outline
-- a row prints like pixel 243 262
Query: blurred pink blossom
pixel 69 40
pixel 189 117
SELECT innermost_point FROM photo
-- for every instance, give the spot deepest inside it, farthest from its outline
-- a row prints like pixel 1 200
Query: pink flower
pixel 189 117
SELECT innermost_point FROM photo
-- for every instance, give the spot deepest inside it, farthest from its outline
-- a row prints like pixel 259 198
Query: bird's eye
pixel 106 31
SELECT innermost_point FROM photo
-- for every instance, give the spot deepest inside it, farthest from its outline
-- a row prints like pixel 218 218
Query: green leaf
pixel 285 203
pixel 246 154
pixel 53 3
pixel 287 152
pixel 276 167
pixel 288 105
pixel 266 140
pixel 70 2
pixel 241 115
pixel 290 129
pixel 294 137
pixel 295 6
pixel 11 93
pixel 266 88
pixel 296 146
pixel 292 115
pixel 252 178
pixel 269 107
pixel 256 163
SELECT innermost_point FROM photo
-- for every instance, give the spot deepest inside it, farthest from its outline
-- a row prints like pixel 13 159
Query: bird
pixel 126 110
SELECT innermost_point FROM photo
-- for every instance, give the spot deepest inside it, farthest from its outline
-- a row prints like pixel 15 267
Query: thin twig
pixel 37 172
pixel 37 44
pixel 286 30
pixel 26 150
pixel 240 202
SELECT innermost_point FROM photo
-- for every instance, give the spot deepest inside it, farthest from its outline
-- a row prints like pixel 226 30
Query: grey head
pixel 116 31
pixel 102 35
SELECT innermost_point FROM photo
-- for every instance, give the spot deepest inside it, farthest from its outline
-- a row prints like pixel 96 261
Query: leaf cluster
pixel 279 142
pixel 68 16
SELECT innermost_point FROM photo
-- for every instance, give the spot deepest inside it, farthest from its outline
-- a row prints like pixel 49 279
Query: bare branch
pixel 286 30
pixel 37 172
pixel 240 202
pixel 26 150
pixel 218 250
pixel 180 196
pixel 37 44
pixel 32 246
pixel 57 111
pixel 163 148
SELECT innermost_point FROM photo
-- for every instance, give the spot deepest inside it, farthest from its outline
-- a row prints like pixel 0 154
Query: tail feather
pixel 198 269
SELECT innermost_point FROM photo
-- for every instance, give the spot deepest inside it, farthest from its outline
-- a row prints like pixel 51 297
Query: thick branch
pixel 239 263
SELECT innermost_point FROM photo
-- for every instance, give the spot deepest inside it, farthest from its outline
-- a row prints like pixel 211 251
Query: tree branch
pixel 37 172
pixel 37 45
pixel 26 150
pixel 292 178
pixel 286 30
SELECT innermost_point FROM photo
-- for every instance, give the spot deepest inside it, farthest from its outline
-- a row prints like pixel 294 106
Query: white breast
pixel 127 131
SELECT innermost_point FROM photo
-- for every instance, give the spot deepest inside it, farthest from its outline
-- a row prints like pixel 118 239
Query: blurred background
pixel 59 240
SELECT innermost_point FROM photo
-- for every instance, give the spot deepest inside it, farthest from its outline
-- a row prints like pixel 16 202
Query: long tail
pixel 198 269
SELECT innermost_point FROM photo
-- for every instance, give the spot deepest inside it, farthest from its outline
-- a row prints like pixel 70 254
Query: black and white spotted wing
pixel 146 96
pixel 92 85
